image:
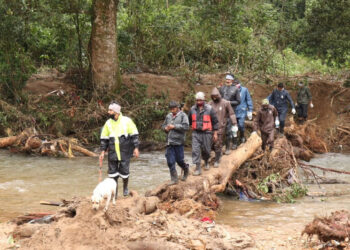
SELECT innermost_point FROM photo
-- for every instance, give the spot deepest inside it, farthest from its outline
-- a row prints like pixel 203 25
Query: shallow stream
pixel 27 180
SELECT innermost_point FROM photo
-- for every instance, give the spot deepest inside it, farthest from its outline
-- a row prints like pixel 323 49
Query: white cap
pixel 200 96
pixel 115 107
pixel 229 77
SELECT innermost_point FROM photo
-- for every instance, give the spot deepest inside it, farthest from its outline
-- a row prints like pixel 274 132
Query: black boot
pixel 185 170
pixel 242 138
pixel 234 143
pixel 206 165
pixel 227 146
pixel 116 191
pixel 174 177
pixel 198 170
pixel 217 159
pixel 125 187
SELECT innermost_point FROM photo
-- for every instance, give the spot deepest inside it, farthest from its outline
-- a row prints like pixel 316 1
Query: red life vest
pixel 197 122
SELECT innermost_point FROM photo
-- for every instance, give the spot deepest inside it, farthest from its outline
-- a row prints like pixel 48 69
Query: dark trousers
pixel 201 146
pixel 302 110
pixel 240 123
pixel 219 143
pixel 118 168
pixel 282 113
pixel 267 139
pixel 175 154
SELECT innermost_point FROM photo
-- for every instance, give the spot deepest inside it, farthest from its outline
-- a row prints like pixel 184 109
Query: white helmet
pixel 200 96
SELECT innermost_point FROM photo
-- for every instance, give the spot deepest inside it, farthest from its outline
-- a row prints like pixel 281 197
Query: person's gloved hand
pixel 311 105
pixel 234 130
pixel 293 111
pixel 277 123
pixel 250 115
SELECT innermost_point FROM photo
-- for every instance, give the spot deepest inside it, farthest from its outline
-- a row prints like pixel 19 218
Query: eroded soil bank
pixel 83 228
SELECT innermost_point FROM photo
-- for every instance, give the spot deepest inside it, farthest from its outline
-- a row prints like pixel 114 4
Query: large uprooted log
pixel 202 188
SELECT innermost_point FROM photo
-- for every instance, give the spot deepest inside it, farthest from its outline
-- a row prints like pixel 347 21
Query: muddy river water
pixel 27 180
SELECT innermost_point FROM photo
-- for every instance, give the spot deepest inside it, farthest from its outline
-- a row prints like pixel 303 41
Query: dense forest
pixel 276 37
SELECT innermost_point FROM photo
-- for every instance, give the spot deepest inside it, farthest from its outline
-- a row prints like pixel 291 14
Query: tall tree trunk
pixel 104 63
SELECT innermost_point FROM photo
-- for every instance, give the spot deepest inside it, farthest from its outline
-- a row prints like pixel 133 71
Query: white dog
pixel 105 189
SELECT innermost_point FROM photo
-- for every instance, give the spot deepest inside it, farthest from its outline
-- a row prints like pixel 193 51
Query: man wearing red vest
pixel 204 123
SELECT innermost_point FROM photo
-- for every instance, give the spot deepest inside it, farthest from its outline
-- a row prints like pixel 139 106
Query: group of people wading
pixel 215 124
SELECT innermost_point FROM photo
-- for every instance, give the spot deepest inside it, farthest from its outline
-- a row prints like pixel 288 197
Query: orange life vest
pixel 197 120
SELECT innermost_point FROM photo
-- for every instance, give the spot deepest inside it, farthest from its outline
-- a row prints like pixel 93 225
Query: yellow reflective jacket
pixel 120 137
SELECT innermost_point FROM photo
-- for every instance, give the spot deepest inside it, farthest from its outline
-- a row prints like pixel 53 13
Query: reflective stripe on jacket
pixel 123 134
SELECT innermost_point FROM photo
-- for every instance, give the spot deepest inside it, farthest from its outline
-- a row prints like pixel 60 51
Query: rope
pixel 100 171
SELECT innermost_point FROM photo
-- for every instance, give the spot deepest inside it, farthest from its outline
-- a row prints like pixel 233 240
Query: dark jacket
pixel 177 135
pixel 265 119
pixel 231 94
pixel 304 95
pixel 223 111
pixel 203 120
pixel 280 99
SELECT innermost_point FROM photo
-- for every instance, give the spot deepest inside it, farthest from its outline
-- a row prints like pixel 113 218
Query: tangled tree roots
pixel 306 137
pixel 334 227
pixel 276 170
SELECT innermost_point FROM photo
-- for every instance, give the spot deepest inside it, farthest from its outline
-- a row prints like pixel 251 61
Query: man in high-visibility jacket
pixel 121 138
pixel 204 123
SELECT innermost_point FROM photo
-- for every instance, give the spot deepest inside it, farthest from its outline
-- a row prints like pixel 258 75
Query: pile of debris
pixel 333 231
pixel 125 227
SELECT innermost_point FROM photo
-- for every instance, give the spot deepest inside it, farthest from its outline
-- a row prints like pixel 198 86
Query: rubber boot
pixel 125 187
pixel 242 138
pixel 227 147
pixel 217 159
pixel 116 190
pixel 206 165
pixel 198 170
pixel 174 177
pixel 185 175
pixel 234 143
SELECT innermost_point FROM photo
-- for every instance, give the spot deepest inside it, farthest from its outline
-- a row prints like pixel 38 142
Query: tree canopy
pixel 249 35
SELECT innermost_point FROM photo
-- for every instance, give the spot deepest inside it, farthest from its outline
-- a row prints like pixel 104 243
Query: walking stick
pixel 100 171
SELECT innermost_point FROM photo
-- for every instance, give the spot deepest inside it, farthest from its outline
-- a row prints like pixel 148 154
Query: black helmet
pixel 173 104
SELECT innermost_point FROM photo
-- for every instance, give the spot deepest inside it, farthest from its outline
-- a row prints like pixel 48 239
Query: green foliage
pixel 145 111
pixel 260 36
pixel 289 195
pixel 272 180
pixel 158 135
pixel 273 184
pixel 327 34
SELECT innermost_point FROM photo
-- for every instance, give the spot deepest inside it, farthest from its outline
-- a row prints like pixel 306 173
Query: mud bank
pixel 121 228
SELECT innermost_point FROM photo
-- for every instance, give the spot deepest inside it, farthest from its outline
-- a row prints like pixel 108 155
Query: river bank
pixel 327 122
pixel 255 222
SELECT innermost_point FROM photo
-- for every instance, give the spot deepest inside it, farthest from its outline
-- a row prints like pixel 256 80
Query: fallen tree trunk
pixel 8 141
pixel 203 188
pixel 12 140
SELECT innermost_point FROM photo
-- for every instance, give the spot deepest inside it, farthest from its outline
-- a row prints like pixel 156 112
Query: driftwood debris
pixel 334 227
pixel 31 142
